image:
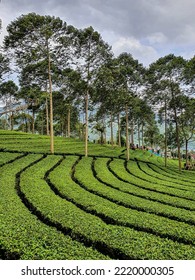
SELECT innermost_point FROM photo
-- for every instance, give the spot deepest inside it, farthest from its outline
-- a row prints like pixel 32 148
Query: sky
pixel 147 29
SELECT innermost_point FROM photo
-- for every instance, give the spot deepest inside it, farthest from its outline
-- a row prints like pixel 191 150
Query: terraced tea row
pixel 8 157
pixel 22 235
pixel 103 174
pixel 86 204
pixel 164 179
pixel 172 168
pixel 26 142
pixel 139 179
pixel 118 241
pixel 128 200
pixel 183 176
pixel 109 211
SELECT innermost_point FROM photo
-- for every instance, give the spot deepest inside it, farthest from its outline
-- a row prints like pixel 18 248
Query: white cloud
pixel 156 38
pixel 146 28
pixel 187 36
pixel 144 53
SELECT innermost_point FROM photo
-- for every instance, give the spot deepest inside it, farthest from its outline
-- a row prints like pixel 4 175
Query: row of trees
pixel 64 72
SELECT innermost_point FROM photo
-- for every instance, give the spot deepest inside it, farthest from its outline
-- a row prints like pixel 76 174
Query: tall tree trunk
pixel 10 115
pixel 142 135
pixel 111 129
pixel 176 124
pixel 86 122
pixel 26 124
pixel 186 142
pixel 104 134
pixel 47 114
pixel 178 140
pixel 87 100
pixel 61 126
pixel 33 121
pixel 12 120
pixel 65 129
pixel 132 133
pixel 47 117
pixel 7 114
pixel 68 123
pixel 42 124
pixel 177 127
pixel 119 130
pixel 165 133
pixel 51 106
pixel 138 133
pixel 83 127
pixel 127 131
pixel 29 123
pixel 80 129
pixel 101 136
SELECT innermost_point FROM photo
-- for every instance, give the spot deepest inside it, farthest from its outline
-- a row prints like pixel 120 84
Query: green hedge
pixel 117 166
pixel 127 200
pixel 116 240
pixel 183 176
pixel 110 212
pixel 107 177
pixel 163 179
pixel 22 235
pixel 28 142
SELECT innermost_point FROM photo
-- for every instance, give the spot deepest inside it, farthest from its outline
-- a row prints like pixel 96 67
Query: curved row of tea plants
pixel 105 176
pixel 26 142
pixel 8 157
pixel 171 169
pixel 139 178
pixel 163 179
pixel 112 213
pixel 117 241
pixel 184 177
pixel 22 235
pixel 72 207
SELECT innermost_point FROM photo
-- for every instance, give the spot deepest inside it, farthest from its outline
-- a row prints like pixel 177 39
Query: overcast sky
pixel 148 29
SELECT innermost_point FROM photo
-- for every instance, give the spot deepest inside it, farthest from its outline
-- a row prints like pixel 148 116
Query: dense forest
pixel 56 79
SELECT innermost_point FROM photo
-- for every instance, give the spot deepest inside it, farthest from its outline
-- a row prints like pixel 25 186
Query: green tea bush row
pixel 22 235
pixel 118 168
pixel 150 176
pixel 110 212
pixel 163 179
pixel 128 200
pixel 116 240
pixel 182 176
pixel 106 177
pixel 26 142
pixel 7 157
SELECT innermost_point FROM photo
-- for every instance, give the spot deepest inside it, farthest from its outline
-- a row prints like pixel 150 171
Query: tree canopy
pixel 68 76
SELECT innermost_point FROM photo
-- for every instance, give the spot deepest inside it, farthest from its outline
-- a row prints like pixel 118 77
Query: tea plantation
pixel 67 206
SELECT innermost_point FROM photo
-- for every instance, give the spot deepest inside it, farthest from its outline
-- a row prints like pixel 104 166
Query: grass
pixel 67 206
